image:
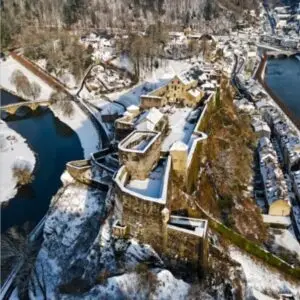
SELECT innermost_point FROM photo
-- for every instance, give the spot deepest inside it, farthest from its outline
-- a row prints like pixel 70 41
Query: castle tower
pixel 179 154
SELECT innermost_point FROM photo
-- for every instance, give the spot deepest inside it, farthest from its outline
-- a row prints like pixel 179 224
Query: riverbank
pixel 13 148
pixel 10 65
pixel 80 123
pixel 294 122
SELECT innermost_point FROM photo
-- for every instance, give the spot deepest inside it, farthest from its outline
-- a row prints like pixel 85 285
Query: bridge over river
pixel 33 105
pixel 277 52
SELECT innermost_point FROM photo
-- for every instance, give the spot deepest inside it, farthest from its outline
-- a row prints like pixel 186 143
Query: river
pixel 283 77
pixel 54 144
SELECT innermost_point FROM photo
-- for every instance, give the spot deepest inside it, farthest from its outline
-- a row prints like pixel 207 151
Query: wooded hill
pixel 17 15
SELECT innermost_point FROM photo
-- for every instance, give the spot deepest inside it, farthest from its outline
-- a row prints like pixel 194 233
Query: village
pixel 135 197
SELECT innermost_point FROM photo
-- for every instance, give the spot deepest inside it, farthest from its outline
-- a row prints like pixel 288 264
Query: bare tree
pixel 16 248
pixel 204 47
pixel 21 82
pixel 63 102
pixel 22 172
pixel 193 47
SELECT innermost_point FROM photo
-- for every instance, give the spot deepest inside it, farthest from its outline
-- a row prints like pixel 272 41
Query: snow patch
pixel 262 278
pixel 9 66
pixel 13 149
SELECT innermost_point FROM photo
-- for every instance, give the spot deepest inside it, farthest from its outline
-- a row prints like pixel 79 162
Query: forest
pixel 18 16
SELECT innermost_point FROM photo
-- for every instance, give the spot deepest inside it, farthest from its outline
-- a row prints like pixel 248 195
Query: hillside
pixel 207 15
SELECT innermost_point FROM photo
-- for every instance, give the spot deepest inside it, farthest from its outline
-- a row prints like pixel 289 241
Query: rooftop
pixel 181 128
pixel 138 141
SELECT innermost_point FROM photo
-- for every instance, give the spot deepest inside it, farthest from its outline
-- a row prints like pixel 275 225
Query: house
pixel 261 129
pixel 275 187
pixel 180 90
pixel 150 120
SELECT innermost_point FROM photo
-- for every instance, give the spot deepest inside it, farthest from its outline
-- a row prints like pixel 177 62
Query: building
pixel 144 196
pixel 261 128
pixel 275 187
pixel 180 90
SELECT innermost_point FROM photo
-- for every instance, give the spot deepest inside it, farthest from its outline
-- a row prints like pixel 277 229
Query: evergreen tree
pixel 208 10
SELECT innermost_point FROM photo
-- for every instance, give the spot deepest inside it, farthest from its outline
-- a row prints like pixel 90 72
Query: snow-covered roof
pixel 280 220
pixel 150 119
pixel 154 115
pixel 132 108
pixel 179 146
pixel 194 92
pixel 203 77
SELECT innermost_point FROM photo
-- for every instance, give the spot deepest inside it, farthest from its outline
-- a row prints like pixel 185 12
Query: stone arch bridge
pixel 281 54
pixel 33 105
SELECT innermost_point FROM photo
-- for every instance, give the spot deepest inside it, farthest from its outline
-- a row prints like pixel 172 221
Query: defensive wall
pixel 248 246
pixel 196 157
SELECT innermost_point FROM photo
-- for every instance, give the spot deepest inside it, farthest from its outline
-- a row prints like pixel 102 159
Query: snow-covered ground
pixel 9 66
pixel 152 186
pixel 287 240
pixel 65 76
pixel 78 244
pixel 71 226
pixel 181 129
pixel 262 278
pixel 123 62
pixel 83 126
pixel 13 148
pixel 132 286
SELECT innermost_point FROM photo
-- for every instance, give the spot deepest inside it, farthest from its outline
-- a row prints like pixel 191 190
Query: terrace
pixel 182 122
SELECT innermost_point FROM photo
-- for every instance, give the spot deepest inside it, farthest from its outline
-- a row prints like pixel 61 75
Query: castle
pixel 160 141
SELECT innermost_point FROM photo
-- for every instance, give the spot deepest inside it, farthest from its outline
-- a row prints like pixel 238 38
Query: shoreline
pixel 80 123
pixel 260 77
pixel 19 150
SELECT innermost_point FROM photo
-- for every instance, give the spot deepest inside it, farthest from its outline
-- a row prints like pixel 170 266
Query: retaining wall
pixel 250 247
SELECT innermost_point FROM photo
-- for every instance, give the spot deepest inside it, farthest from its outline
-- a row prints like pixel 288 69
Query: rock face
pixel 73 241
pixel 79 258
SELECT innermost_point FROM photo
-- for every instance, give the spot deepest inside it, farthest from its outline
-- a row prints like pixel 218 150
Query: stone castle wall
pixel 138 164
pixel 143 219
pixel 186 249
pixel 148 102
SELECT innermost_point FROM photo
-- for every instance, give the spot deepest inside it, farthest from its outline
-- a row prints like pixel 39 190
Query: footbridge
pixel 33 105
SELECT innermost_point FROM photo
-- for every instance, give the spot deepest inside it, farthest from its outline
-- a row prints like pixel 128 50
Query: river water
pixel 283 77
pixel 54 144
